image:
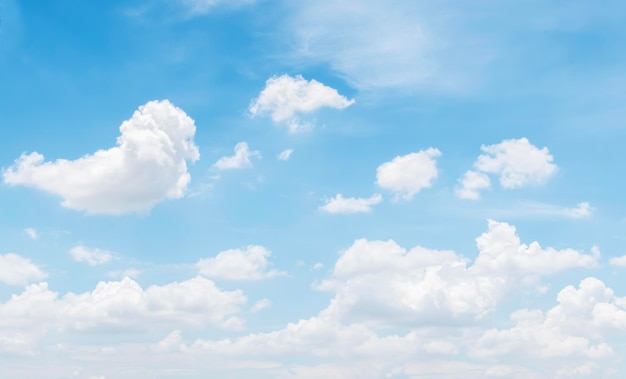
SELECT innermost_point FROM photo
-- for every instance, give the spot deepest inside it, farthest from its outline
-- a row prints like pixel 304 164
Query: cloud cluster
pixel 285 97
pixel 407 175
pixel 148 165
pixel 517 162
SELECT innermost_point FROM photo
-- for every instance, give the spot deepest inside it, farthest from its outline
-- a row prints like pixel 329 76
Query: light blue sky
pixel 239 264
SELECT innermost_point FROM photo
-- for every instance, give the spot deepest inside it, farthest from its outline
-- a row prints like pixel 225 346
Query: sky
pixel 312 189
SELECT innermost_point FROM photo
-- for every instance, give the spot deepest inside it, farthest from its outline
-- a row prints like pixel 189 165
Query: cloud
pixel 618 261
pixel 581 210
pixel 381 283
pixel 236 264
pixel 241 159
pixel 260 305
pixel 470 185
pixel 407 175
pixel 148 165
pixel 285 97
pixel 32 233
pixel 92 257
pixel 17 271
pixel 518 164
pixel 340 204
pixel 123 305
pixel 285 155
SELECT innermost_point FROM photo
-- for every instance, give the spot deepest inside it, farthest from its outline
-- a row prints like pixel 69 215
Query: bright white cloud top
pixel 148 165
pixel 285 97
pixel 16 270
pixel 340 204
pixel 241 158
pixel 407 175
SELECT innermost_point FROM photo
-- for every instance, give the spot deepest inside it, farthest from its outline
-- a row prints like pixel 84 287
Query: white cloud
pixel 248 264
pixel 120 274
pixel 92 257
pixel 148 165
pixel 517 161
pixel 16 270
pixel 381 283
pixel 241 159
pixel 260 305
pixel 318 266
pixel 582 210
pixel 408 174
pixel 285 97
pixel 470 185
pixel 340 204
pixel 618 261
pixel 285 155
pixel 123 305
pixel 32 233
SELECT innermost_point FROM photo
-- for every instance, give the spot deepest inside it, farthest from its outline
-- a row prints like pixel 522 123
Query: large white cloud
pixel 340 204
pixel 408 174
pixel 285 97
pixel 241 159
pixel 239 264
pixel 381 283
pixel 123 305
pixel 517 162
pixel 148 165
pixel 16 270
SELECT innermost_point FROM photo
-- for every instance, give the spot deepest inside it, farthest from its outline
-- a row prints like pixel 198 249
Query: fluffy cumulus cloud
pixel 16 270
pixel 379 282
pixel 407 175
pixel 517 162
pixel 285 97
pixel 91 256
pixel 148 165
pixel 340 204
pixel 568 336
pixel 241 158
pixel 122 305
pixel 250 263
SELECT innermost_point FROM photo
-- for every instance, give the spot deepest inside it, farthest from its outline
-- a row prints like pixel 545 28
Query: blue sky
pixel 315 189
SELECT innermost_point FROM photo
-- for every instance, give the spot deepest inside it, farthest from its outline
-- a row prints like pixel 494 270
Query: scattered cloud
pixel 239 264
pixel 343 205
pixel 32 233
pixel 285 155
pixel 407 175
pixel 285 97
pixel 318 266
pixel 618 261
pixel 470 185
pixel 517 162
pixel 17 271
pixel 581 210
pixel 120 274
pixel 148 165
pixel 201 7
pixel 91 256
pixel 241 159
pixel 260 305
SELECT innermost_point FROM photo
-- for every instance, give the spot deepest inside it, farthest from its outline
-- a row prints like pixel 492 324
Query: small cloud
pixel 581 210
pixel 32 233
pixel 470 185
pixel 260 305
pixel 285 97
pixel 16 270
pixel 239 264
pixel 318 266
pixel 407 175
pixel 618 261
pixel 340 204
pixel 92 257
pixel 285 155
pixel 241 159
